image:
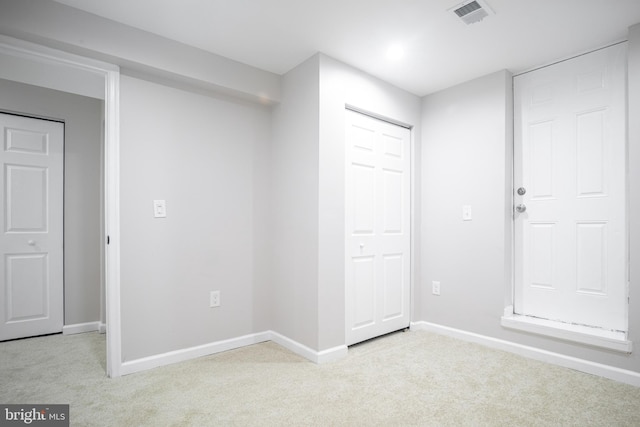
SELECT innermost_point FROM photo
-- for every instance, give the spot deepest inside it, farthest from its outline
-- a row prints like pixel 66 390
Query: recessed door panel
pixel 590 81
pixel 363 138
pixel 364 284
pixel 542 255
pixel 591 256
pixel 26 198
pixel 393 291
pixel 591 153
pixel 26 141
pixel 363 198
pixel 392 201
pixel 27 285
pixel 541 93
pixel 541 158
pixel 393 146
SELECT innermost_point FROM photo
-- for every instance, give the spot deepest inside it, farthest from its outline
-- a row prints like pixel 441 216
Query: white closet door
pixel 31 188
pixel 378 231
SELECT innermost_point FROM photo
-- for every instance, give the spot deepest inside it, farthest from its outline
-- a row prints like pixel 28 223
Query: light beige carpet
pixel 404 379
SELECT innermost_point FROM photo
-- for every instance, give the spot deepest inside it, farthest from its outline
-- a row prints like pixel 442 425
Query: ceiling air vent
pixel 472 11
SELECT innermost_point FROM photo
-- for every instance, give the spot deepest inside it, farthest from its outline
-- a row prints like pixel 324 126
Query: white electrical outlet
pixel 435 287
pixel 214 299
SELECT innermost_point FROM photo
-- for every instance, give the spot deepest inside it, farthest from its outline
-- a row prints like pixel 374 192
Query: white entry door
pixel 378 238
pixel 571 244
pixel 31 189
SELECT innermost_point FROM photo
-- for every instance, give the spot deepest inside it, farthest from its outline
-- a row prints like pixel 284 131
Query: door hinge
pixel 108 240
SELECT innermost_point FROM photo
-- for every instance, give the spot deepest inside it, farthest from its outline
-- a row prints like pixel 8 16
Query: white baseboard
pixel 606 371
pixel 103 328
pixel 332 354
pixel 319 357
pixel 80 328
pixel 183 355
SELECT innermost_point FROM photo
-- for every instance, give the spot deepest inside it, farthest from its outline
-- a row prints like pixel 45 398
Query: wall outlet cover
pixel 214 299
pixel 435 287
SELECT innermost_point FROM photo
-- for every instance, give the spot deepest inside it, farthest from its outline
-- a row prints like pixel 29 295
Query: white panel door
pixel 378 238
pixel 570 151
pixel 31 186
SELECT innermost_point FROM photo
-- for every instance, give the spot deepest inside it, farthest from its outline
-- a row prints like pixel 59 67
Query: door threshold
pixel 591 336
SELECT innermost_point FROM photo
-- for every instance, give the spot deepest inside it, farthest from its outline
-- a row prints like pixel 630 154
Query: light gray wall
pixel 202 155
pixel 82 189
pixel 464 146
pixel 467 146
pixel 294 205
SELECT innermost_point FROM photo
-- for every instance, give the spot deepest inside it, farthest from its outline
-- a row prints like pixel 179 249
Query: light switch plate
pixel 159 209
pixel 466 213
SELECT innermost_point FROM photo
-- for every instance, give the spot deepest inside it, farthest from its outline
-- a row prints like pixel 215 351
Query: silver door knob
pixel 31 242
pixel 522 191
pixel 521 208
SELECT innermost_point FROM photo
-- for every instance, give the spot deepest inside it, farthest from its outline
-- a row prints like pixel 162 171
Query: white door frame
pixel 111 76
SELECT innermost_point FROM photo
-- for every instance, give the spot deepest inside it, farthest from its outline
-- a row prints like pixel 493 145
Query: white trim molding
pixel 183 355
pixel 599 369
pixel 81 328
pixel 112 222
pixel 324 356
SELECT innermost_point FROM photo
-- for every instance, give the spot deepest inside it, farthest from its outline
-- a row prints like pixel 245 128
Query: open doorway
pixel 36 65
pixel 52 156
